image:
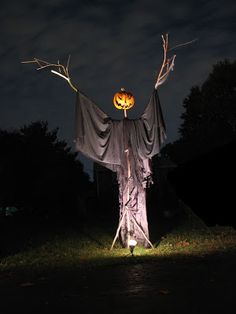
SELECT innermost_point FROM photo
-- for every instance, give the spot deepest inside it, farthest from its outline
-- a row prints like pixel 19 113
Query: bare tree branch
pixel 184 44
pixel 61 71
pixel 167 64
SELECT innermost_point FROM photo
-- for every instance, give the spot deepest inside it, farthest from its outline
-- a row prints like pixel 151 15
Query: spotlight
pixel 132 244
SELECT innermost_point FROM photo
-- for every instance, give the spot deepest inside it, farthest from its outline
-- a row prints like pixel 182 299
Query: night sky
pixel 113 44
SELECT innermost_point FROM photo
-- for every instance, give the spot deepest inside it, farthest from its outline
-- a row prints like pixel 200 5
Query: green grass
pixel 90 248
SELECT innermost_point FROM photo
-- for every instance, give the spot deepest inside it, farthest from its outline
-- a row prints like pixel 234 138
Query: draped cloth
pixel 120 145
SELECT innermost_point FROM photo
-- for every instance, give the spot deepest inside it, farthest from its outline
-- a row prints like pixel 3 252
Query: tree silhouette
pixel 205 150
pixel 209 119
pixel 39 173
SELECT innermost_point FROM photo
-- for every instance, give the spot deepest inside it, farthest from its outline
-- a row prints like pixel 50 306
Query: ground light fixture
pixel 132 243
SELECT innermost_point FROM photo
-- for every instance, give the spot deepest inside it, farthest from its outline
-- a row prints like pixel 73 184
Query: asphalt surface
pixel 176 285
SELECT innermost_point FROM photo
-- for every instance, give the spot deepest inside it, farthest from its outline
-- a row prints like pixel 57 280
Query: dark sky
pixel 113 44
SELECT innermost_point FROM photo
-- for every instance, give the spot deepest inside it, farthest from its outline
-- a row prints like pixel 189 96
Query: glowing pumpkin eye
pixel 123 100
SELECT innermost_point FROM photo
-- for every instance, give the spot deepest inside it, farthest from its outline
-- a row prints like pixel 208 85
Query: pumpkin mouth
pixel 123 100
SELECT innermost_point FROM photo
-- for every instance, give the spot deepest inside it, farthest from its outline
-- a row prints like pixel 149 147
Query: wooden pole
pixel 128 196
pixel 142 231
pixel 118 229
pixel 126 211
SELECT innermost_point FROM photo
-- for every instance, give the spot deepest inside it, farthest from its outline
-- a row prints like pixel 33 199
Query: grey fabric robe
pixel 106 141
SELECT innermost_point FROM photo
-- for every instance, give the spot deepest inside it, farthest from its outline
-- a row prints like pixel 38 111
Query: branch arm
pixel 66 78
pixel 62 70
pixel 167 64
pixel 61 75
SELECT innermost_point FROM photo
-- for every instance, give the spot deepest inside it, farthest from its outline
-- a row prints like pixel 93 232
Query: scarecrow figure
pixel 124 146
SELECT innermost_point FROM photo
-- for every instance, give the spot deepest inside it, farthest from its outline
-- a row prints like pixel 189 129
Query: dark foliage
pixel 209 118
pixel 206 184
pixel 39 173
pixel 205 151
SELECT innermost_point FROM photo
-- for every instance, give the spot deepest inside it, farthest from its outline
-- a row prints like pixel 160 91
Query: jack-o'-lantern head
pixel 123 100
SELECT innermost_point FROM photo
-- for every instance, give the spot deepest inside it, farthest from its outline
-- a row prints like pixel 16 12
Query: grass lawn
pixel 89 246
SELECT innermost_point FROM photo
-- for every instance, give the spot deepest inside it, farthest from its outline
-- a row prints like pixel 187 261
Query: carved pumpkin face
pixel 123 100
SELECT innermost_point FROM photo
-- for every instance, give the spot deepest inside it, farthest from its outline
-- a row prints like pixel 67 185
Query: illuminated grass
pixel 73 249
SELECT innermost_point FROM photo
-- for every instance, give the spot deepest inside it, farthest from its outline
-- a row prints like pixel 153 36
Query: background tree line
pixel 205 151
pixel 209 117
pixel 39 174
